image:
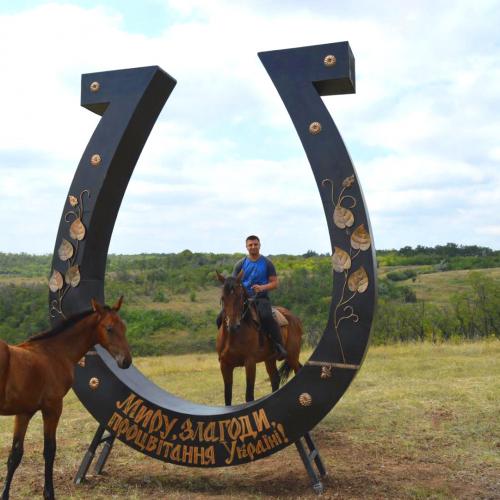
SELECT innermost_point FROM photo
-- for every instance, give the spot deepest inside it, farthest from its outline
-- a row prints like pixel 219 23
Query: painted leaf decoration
pixel 358 280
pixel 73 200
pixel 360 238
pixel 56 281
pixel 77 230
pixel 348 181
pixel 343 217
pixel 341 260
pixel 73 276
pixel 66 250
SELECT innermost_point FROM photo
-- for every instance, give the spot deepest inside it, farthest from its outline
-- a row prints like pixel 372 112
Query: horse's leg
pixel 227 375
pixel 50 420
pixel 272 371
pixel 250 369
pixel 16 453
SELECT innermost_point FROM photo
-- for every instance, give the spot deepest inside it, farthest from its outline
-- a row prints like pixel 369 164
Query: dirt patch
pixel 354 472
pixel 439 415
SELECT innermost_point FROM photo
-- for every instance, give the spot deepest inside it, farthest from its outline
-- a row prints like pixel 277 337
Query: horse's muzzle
pixel 123 362
pixel 234 328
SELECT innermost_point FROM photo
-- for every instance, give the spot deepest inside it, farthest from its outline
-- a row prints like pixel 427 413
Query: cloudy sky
pixel 223 160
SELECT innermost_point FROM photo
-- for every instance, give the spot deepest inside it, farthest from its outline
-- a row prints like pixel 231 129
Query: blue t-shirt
pixel 255 273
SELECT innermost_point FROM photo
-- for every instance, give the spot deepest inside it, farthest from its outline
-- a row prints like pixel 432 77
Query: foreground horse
pixel 37 374
pixel 240 342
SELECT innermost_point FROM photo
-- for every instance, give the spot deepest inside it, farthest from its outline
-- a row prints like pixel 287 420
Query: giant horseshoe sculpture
pixel 125 402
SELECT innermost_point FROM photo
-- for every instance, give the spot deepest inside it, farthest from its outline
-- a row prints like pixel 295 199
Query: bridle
pixel 246 305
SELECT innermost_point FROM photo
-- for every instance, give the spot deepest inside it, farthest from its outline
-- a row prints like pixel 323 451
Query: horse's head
pixel 233 300
pixel 111 332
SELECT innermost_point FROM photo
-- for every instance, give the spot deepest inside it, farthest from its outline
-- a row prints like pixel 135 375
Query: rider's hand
pixel 258 288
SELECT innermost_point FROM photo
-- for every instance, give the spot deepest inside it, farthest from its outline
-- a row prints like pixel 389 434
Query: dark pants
pixel 269 324
pixel 267 321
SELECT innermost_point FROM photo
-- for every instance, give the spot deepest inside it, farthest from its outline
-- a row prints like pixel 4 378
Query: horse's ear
pixel 118 304
pixel 239 276
pixel 96 306
pixel 220 277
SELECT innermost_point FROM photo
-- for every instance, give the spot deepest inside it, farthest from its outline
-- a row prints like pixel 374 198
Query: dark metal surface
pixel 312 462
pixel 133 408
pixel 129 101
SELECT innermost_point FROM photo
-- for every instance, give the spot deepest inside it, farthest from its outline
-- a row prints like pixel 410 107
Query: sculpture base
pixel 308 453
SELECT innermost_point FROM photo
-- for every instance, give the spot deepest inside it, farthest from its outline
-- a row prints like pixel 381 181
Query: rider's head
pixel 253 245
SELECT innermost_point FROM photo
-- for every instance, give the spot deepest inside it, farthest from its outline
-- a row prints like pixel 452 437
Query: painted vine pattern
pixel 68 253
pixel 355 281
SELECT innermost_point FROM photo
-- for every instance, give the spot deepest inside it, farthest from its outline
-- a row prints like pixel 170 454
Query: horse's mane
pixel 230 283
pixel 61 327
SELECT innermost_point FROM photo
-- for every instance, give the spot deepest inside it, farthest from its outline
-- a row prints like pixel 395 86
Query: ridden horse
pixel 241 343
pixel 37 374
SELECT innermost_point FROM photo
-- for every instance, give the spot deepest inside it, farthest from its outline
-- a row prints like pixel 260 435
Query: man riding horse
pixel 259 277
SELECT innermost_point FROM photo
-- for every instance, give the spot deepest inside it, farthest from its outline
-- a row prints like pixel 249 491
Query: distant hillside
pixel 172 299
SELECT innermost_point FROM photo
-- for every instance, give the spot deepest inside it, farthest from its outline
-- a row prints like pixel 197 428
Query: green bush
pixel 402 275
pixel 23 311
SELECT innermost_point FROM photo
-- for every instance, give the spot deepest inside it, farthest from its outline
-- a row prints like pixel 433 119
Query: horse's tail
pixel 284 372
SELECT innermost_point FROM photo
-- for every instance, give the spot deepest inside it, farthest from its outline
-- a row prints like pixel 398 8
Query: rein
pixel 246 307
pixel 247 301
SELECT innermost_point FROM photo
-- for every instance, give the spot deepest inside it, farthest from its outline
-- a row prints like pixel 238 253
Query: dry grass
pixel 205 299
pixel 22 281
pixel 420 421
pixel 438 287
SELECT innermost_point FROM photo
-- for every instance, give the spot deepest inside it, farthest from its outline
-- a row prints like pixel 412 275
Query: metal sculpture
pixel 129 406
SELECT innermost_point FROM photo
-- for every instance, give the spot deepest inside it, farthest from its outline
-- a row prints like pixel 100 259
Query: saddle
pixel 278 316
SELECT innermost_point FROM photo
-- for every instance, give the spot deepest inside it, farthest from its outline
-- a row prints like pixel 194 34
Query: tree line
pixel 149 280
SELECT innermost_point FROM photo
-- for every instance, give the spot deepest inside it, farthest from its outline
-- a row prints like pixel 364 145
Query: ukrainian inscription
pixel 188 441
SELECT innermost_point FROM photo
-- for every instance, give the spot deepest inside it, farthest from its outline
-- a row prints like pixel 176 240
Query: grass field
pixel 437 287
pixel 419 421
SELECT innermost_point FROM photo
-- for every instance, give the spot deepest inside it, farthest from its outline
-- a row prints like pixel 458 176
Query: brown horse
pixel 37 374
pixel 240 343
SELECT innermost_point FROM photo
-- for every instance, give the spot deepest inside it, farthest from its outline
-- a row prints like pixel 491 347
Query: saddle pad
pixel 279 317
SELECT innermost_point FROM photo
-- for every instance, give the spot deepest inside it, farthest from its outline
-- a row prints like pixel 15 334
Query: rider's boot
pixel 282 354
pixel 275 334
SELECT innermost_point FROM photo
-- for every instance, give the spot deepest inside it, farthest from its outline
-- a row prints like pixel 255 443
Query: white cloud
pixel 489 230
